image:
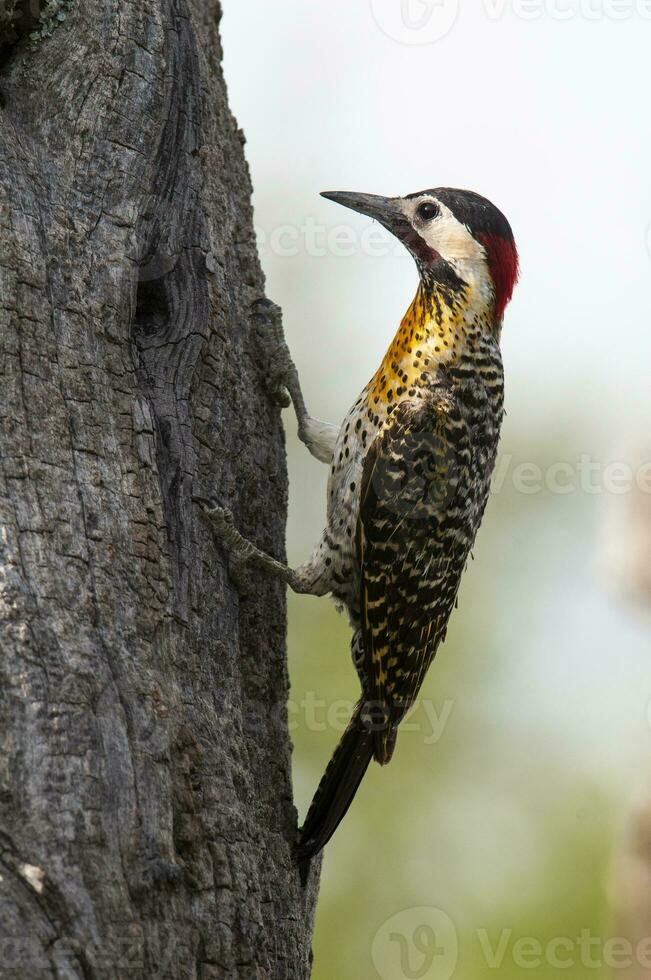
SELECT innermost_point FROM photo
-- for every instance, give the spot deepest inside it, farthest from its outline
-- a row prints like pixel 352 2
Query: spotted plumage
pixel 410 478
pixel 410 471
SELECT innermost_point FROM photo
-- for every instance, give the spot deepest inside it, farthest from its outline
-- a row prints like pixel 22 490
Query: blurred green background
pixel 507 800
pixel 504 805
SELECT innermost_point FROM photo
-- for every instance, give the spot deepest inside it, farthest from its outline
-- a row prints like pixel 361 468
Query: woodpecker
pixel 410 470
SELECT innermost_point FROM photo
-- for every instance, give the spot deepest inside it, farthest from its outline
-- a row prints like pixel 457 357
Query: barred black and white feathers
pixel 411 470
pixel 425 482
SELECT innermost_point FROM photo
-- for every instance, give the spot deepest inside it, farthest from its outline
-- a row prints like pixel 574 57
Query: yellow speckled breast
pixel 432 329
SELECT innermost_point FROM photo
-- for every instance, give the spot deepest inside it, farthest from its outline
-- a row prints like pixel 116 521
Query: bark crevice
pixel 146 762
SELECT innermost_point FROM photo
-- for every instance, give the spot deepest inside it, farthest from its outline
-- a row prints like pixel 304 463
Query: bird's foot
pixel 281 376
pixel 240 550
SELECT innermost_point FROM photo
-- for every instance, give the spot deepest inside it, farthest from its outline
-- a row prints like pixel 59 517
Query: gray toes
pixel 279 394
pixel 266 309
pixel 274 353
pixel 221 517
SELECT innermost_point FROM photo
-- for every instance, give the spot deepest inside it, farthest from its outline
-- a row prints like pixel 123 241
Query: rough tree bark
pixel 146 816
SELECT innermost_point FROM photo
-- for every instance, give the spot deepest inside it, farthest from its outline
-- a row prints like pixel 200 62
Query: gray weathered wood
pixel 146 816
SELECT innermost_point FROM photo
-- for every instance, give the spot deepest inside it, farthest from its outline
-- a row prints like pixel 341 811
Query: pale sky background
pixel 549 118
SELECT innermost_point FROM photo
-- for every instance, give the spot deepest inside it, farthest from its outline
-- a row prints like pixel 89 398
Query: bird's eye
pixel 428 210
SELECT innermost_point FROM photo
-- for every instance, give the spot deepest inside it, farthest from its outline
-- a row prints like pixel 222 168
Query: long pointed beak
pixel 383 209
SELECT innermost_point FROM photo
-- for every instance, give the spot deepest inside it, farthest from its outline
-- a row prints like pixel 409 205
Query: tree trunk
pixel 146 816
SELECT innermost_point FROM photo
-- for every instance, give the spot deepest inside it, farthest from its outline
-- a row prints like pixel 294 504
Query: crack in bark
pixel 144 769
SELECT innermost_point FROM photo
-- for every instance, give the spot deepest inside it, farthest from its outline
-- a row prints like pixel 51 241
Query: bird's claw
pixel 222 524
pixel 267 307
pixel 268 318
pixel 279 394
pixel 221 518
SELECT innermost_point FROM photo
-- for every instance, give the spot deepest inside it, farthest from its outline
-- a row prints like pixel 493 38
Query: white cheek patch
pixel 454 243
pixel 452 240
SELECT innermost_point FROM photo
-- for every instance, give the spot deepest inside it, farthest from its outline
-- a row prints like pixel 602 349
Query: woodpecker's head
pixel 457 238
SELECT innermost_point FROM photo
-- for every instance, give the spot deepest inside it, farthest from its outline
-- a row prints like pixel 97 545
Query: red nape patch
pixel 504 267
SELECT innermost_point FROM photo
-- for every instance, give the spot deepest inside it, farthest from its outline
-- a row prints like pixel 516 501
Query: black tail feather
pixel 337 787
